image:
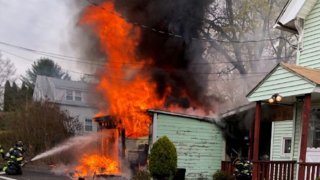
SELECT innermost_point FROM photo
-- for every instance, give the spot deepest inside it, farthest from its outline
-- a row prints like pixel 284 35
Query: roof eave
pixel 283 27
pixel 293 10
pixel 206 119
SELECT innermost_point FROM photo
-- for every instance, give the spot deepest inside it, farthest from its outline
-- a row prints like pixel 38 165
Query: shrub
pixel 163 159
pixel 40 125
pixel 318 178
pixel 142 175
pixel 221 175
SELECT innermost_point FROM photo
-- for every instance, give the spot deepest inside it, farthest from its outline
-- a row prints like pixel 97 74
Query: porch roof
pixel 286 80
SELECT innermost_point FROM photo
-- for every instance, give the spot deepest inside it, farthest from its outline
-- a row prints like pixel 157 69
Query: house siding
pixel 54 90
pixel 199 144
pixel 81 113
pixel 283 82
pixel 281 129
pixel 310 56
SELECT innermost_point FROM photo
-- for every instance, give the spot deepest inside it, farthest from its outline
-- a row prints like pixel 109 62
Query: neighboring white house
pixel 71 96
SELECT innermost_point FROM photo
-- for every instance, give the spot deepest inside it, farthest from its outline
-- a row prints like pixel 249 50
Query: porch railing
pixel 275 170
pixel 267 170
pixel 279 170
pixel 311 170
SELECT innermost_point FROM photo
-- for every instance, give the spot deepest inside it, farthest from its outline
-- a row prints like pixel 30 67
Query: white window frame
pixel 68 90
pixel 283 143
pixel 86 125
pixel 75 95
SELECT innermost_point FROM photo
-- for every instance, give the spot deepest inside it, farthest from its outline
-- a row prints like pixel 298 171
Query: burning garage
pixel 198 140
pixel 143 70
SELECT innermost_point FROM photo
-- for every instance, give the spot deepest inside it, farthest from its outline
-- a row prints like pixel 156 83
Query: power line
pixel 162 70
pixel 30 60
pixel 181 36
pixel 252 60
pixel 245 76
pixel 50 54
pixel 83 60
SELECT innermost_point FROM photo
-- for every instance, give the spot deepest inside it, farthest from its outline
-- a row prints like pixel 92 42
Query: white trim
pixel 294 10
pixel 224 154
pixel 298 156
pixel 283 140
pixel 293 133
pixel 154 127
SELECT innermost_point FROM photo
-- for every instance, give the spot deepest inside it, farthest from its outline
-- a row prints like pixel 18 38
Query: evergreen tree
pixel 7 100
pixel 15 97
pixel 44 67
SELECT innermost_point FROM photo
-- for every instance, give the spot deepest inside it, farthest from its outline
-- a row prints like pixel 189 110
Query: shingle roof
pixel 305 72
pixel 59 83
pixel 47 88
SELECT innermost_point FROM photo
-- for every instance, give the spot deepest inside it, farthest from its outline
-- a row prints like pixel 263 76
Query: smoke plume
pixel 172 56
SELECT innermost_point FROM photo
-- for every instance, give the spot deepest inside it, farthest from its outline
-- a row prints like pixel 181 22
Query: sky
pixel 43 25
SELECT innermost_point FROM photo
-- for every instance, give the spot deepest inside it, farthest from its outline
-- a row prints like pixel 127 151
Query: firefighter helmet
pixel 19 144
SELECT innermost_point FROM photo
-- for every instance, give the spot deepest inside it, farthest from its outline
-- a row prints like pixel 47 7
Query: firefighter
pixel 18 146
pixel 2 151
pixel 14 158
pixel 243 169
pixel 14 163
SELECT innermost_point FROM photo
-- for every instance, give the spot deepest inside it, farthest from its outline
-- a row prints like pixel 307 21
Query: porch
pixel 278 170
pixel 299 88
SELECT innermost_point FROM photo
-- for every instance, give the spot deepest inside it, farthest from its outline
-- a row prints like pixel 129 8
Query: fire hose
pixel 24 163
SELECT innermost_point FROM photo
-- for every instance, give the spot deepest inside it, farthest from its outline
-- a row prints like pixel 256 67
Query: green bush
pixel 221 175
pixel 141 175
pixel 318 178
pixel 163 159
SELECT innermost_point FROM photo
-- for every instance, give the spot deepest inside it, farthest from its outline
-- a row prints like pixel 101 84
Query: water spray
pixel 79 141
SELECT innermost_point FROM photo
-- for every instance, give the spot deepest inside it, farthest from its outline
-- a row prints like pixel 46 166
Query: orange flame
pixel 95 164
pixel 128 91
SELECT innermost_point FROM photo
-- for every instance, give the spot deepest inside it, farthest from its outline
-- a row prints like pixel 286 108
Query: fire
pixel 124 83
pixel 95 164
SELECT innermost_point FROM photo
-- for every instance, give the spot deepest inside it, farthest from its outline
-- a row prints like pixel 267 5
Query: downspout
pixel 299 23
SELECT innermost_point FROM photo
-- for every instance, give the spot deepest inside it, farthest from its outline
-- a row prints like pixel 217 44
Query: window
pixel 69 95
pixel 77 95
pixel 286 145
pixel 88 125
pixel 73 95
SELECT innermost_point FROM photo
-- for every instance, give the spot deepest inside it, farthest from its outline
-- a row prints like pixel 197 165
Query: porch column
pixel 304 132
pixel 256 139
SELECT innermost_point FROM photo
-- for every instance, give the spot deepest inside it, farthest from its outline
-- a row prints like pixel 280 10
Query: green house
pixel 295 141
pixel 198 140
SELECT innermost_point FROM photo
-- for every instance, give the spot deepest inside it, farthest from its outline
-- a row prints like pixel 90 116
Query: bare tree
pixel 7 72
pixel 236 23
pixel 244 41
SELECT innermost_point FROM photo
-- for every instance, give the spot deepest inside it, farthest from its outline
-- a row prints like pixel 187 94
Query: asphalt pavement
pixel 34 175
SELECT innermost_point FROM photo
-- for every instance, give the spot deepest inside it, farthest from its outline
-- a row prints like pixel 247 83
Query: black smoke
pixel 172 55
